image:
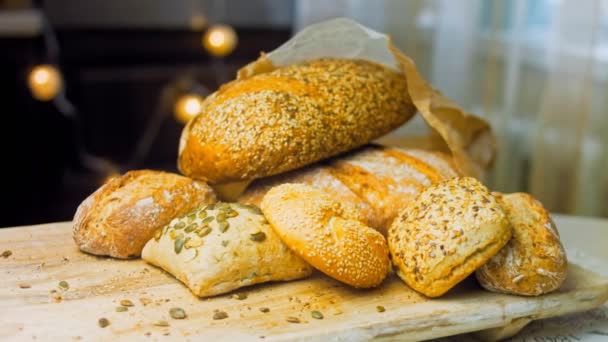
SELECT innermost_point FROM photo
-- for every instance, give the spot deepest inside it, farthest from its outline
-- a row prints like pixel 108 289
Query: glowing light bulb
pixel 220 40
pixel 187 107
pixel 45 82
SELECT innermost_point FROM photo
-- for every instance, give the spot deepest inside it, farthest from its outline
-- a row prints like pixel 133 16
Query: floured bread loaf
pixel 376 180
pixel 121 216
pixel 327 234
pixel 222 247
pixel 450 230
pixel 534 261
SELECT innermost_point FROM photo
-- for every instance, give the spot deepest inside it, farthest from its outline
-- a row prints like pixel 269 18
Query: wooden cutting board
pixel 34 306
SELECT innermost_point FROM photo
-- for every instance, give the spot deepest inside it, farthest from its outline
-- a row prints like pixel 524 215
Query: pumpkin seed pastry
pixel 450 230
pixel 222 247
pixel 534 261
pixel 327 234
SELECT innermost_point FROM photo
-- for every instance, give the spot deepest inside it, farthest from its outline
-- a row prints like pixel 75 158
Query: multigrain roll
pixel 534 261
pixel 450 230
pixel 328 235
pixel 291 117
pixel 378 181
pixel 122 215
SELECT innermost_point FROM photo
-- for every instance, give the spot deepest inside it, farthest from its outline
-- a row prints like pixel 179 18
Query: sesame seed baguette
pixel 378 181
pixel 327 234
pixel 534 261
pixel 291 117
pixel 123 214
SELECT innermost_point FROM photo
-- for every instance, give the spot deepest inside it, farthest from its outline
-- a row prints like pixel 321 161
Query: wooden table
pixel 33 305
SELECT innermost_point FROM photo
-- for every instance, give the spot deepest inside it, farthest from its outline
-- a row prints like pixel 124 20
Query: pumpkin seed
pixel 190 228
pixel 202 214
pixel 157 234
pixel 220 315
pixel 265 310
pixel 64 285
pixel 191 217
pixel 179 243
pixel 258 237
pixel 208 219
pixel 293 319
pixel 380 308
pixel 180 225
pixel 232 213
pixel 103 322
pixel 240 296
pixel 193 243
pixel 316 314
pixel 225 243
pixel 7 253
pixel 210 206
pixel 204 232
pixel 223 226
pixel 172 234
pixel 121 309
pixel 126 302
pixel 177 313
pixel 221 216
pixel 161 323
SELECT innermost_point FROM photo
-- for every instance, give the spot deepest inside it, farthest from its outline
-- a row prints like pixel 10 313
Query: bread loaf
pixel 222 247
pixel 378 181
pixel 534 261
pixel 291 117
pixel 450 230
pixel 122 215
pixel 327 234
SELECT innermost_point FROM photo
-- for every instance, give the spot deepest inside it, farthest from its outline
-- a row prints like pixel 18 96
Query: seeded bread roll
pixel 291 117
pixel 327 234
pixel 122 215
pixel 222 247
pixel 379 181
pixel 534 261
pixel 450 230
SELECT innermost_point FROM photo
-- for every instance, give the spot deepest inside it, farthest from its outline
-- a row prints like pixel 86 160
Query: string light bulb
pixel 45 82
pixel 220 40
pixel 187 107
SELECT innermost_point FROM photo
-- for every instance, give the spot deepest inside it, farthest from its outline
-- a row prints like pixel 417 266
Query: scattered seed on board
pixel 220 315
pixel 64 285
pixel 161 323
pixel 177 313
pixel 265 310
pixel 293 319
pixel 126 302
pixel 240 296
pixel 103 322
pixel 380 308
pixel 7 253
pixel 121 309
pixel 316 314
pixel 259 236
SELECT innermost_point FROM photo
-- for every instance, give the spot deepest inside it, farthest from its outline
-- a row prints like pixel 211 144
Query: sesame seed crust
pixel 450 230
pixel 327 234
pixel 290 117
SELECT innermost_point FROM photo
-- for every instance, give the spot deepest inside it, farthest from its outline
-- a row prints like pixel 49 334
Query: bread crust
pixel 451 229
pixel 534 261
pixel 327 234
pixel 379 181
pixel 219 250
pixel 121 216
pixel 291 117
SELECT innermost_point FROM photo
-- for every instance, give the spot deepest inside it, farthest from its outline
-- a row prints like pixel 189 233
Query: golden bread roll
pixel 379 181
pixel 222 247
pixel 122 215
pixel 291 117
pixel 451 229
pixel 534 261
pixel 327 234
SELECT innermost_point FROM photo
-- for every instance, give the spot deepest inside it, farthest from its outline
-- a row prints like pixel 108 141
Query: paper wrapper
pixel 468 138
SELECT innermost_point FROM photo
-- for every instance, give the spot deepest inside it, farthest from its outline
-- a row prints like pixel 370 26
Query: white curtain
pixel 535 69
